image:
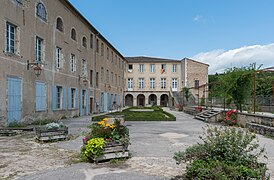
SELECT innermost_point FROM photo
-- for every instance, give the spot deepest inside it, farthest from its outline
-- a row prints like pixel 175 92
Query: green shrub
pixel 94 148
pixel 226 153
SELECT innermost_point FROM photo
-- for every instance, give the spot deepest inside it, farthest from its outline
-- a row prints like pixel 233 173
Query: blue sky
pixel 234 32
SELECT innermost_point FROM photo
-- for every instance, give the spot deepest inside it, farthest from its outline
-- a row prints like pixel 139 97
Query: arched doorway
pixel 140 100
pixel 129 100
pixel 152 99
pixel 164 100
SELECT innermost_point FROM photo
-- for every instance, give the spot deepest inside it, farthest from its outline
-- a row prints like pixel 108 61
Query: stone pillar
pixel 146 99
pixel 134 101
pixel 158 99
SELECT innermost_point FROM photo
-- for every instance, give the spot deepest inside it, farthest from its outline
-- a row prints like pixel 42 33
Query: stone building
pixel 78 70
pixel 153 81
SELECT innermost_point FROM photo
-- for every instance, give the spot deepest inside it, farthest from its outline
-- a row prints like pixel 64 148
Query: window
pixel 91 40
pixel 152 68
pixel 97 45
pixel 38 49
pixel 115 59
pixel 112 77
pixel 97 79
pixel 59 24
pixel 72 97
pixel 119 79
pixel 59 97
pixel 115 79
pixel 41 11
pixel 84 67
pixel 40 96
pixel 73 34
pixel 107 76
pixel 163 68
pixel 10 46
pixel 174 83
pixel 102 74
pixel 107 53
pixel 102 49
pixel 83 99
pixel 111 56
pixel 91 77
pixel 141 83
pixel 196 84
pixel 130 83
pixel 84 42
pixel 163 83
pixel 152 83
pixel 141 67
pixel 72 63
pixel 130 67
pixel 58 57
pixel 174 67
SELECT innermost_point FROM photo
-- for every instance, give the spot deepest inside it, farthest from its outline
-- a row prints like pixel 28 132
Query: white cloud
pixel 200 18
pixel 219 60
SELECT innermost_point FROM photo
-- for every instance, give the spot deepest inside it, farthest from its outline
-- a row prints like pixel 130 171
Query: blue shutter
pixel 87 102
pixel 76 99
pixel 69 98
pixel 40 96
pixel 54 98
pixel 81 103
pixel 64 100
pixel 105 102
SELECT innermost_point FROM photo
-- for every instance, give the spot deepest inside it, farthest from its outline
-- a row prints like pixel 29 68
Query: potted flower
pixel 105 141
pixel 51 131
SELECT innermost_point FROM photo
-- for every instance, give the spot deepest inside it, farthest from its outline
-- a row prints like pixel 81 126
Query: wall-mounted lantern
pixel 85 81
pixel 36 67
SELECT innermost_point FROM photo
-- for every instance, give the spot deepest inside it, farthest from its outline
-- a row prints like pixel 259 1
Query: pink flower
pixel 234 121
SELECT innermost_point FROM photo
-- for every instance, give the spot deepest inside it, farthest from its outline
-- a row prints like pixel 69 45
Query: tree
pixel 236 84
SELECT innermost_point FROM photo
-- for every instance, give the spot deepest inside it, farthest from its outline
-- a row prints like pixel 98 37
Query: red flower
pixel 234 121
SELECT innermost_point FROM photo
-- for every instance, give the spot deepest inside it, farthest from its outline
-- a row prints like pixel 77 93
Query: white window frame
pixel 152 68
pixel 130 69
pixel 163 83
pixel 141 83
pixel 141 68
pixel 84 68
pixel 174 67
pixel 72 63
pixel 174 84
pixel 58 57
pixel 9 40
pixel 152 83
pixel 59 97
pixel 39 49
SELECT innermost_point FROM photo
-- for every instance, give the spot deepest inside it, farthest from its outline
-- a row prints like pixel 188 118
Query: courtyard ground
pixel 152 145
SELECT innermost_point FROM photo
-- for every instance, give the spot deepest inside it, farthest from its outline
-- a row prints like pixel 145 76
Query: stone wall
pixel 244 118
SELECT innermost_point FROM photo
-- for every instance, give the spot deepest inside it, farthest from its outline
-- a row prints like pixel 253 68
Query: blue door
pixel 14 100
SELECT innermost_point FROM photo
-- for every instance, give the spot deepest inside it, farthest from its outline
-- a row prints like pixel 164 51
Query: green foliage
pixel 157 115
pixel 94 148
pixel 264 83
pixel 43 121
pixel 186 92
pixel 226 153
pixel 16 124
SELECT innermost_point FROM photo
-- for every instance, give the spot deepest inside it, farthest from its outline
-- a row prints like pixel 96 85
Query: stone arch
pixel 141 100
pixel 164 100
pixel 152 99
pixel 129 100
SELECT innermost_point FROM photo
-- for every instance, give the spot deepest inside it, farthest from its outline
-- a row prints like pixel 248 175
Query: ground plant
pixel 225 153
pixel 231 118
pixel 102 134
pixel 156 115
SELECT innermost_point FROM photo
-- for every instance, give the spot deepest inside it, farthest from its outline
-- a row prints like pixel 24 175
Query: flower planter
pixel 56 134
pixel 113 150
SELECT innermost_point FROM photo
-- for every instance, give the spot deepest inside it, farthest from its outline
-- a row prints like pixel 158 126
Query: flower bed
pixel 105 141
pixel 51 132
pixel 231 118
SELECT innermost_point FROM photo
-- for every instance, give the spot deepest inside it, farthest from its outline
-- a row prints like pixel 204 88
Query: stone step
pixel 199 118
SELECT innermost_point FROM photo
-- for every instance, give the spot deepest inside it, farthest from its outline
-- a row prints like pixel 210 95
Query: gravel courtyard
pixel 152 146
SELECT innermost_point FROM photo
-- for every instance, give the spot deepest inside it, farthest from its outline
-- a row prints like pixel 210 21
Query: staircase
pixel 208 115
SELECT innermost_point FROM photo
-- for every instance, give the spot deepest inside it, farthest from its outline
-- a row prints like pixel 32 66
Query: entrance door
pixel 14 100
pixel 83 103
pixel 90 105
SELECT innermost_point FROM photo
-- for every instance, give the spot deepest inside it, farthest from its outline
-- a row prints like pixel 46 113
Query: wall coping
pixel 256 115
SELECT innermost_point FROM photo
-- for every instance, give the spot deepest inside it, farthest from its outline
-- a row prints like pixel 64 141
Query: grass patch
pixel 157 115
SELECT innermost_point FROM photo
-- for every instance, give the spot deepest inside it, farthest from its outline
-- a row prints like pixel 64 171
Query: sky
pixel 221 33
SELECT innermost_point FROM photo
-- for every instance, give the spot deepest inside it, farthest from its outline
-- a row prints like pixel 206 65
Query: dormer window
pixel 59 24
pixel 41 11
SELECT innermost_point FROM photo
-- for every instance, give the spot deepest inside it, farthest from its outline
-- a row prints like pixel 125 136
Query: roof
pixel 188 59
pixel 149 59
pixel 92 28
